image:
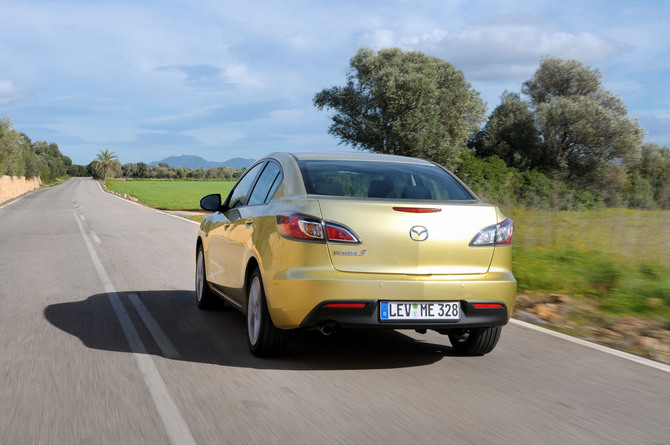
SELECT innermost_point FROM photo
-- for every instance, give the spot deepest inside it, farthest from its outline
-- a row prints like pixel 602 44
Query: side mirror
pixel 211 203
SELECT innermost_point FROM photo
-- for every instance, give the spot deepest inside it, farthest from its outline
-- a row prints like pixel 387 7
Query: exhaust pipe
pixel 328 328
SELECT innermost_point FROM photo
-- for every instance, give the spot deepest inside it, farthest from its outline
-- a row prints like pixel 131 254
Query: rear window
pixel 392 180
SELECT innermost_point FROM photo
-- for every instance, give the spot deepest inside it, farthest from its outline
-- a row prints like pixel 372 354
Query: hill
pixel 190 162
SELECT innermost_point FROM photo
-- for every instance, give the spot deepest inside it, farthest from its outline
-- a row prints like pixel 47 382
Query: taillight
pixel 297 226
pixel 340 234
pixel 499 235
pixel 308 228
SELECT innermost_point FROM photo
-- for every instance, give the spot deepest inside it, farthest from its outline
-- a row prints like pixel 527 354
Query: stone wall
pixel 11 186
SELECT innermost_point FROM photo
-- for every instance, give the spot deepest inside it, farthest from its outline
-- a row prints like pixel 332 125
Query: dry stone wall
pixel 11 186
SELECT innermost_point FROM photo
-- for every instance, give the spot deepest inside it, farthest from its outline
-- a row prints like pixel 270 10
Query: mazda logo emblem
pixel 418 233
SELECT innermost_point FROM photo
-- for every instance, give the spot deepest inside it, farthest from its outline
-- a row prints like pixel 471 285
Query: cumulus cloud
pixel 8 92
pixel 502 51
pixel 195 74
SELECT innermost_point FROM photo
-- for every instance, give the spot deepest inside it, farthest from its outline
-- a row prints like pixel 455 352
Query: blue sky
pixel 221 79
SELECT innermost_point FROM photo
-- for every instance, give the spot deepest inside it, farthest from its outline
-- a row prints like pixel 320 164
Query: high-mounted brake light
pixel 308 228
pixel 417 209
pixel 499 235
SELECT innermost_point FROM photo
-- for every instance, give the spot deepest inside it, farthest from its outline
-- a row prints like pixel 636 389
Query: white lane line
pixel 596 346
pixel 174 423
pixel 158 334
pixel 83 218
pixel 95 237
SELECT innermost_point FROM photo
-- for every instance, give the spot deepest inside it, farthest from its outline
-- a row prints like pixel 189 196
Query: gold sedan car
pixel 354 240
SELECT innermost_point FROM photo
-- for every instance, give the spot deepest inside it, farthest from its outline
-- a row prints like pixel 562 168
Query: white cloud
pixel 8 92
pixel 500 51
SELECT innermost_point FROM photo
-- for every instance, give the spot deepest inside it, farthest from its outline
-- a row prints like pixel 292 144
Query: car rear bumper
pixel 297 298
pixel 369 317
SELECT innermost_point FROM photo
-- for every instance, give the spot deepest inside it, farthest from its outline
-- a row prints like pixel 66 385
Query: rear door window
pixel 267 184
pixel 240 194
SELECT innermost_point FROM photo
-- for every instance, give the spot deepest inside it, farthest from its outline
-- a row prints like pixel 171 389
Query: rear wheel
pixel 204 297
pixel 475 341
pixel 264 338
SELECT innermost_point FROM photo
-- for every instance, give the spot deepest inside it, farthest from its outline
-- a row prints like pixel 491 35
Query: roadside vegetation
pixel 19 156
pixel 615 259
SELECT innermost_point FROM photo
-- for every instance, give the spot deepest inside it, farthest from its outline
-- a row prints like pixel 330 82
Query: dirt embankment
pixel 12 186
pixel 645 337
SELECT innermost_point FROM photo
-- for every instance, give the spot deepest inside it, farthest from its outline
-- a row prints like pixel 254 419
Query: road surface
pixel 101 342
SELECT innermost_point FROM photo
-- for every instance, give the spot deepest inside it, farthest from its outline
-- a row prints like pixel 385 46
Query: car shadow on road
pixel 219 337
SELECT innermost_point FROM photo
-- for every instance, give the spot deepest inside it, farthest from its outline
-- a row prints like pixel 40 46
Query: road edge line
pixel 596 346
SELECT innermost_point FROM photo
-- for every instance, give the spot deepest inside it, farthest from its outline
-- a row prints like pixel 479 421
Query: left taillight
pixel 499 235
pixel 308 228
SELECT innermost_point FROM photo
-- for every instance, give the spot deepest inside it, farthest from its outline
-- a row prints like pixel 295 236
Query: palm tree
pixel 105 161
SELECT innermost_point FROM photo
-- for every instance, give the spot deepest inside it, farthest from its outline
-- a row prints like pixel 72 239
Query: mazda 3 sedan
pixel 355 240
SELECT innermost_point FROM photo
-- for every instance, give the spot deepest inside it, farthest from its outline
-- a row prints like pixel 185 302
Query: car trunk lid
pixel 396 238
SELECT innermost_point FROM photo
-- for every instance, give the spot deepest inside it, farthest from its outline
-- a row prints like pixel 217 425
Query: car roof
pixel 348 156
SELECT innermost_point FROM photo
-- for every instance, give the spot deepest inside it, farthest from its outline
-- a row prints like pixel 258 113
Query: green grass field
pixel 171 194
pixel 617 258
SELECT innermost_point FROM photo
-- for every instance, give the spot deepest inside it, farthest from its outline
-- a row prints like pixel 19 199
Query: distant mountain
pixel 190 161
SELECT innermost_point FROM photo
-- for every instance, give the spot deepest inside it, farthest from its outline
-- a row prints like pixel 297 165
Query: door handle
pixel 249 221
pixel 227 224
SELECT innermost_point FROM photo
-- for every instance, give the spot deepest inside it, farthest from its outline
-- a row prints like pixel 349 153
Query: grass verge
pixel 170 194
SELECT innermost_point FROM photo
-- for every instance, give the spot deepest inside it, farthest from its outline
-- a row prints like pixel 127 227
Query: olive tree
pixel 404 103
pixel 511 134
pixel 585 129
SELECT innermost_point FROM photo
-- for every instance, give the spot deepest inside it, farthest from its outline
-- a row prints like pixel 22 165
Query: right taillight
pixel 499 235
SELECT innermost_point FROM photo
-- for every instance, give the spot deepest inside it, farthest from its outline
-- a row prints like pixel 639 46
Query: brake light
pixel 304 227
pixel 417 209
pixel 338 233
pixel 498 235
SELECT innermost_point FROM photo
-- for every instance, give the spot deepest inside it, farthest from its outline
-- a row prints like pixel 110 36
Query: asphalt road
pixel 101 342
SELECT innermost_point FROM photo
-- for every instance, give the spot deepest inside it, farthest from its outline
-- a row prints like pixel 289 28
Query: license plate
pixel 425 310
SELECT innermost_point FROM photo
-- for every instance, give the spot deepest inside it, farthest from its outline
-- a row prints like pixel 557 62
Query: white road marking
pixel 596 346
pixel 158 334
pixel 83 218
pixel 174 423
pixel 95 237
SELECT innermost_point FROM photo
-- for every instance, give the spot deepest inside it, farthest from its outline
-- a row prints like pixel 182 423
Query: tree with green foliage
pixel 106 161
pixel 52 163
pixel 654 167
pixel 142 170
pixel 586 132
pixel 404 103
pixel 510 134
pixel 11 153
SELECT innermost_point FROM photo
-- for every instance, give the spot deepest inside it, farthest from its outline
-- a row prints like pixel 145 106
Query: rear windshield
pixel 374 179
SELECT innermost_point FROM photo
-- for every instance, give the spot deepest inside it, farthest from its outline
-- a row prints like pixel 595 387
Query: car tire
pixel 475 341
pixel 264 338
pixel 204 297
